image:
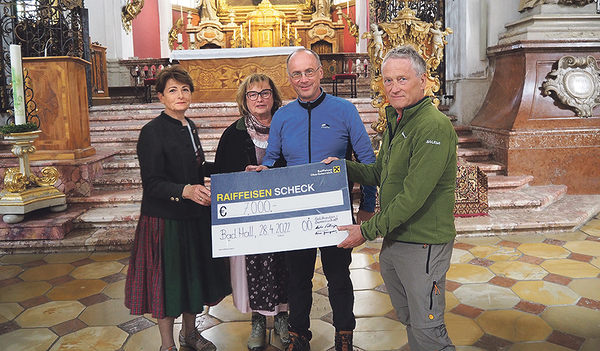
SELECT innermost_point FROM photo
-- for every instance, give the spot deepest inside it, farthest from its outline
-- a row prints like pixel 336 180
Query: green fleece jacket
pixel 416 174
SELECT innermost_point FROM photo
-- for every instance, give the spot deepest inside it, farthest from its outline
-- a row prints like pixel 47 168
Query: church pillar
pixel 362 20
pixel 532 130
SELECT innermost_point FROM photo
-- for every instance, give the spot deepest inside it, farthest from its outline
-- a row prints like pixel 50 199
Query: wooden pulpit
pixel 60 95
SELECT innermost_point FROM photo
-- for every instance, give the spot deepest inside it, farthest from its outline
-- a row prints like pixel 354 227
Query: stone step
pixel 491 168
pixel 109 197
pixel 505 193
pixel 528 197
pixel 122 216
pixel 473 154
pixel 96 227
pixel 507 183
pixel 565 215
pixel 468 141
pixel 121 179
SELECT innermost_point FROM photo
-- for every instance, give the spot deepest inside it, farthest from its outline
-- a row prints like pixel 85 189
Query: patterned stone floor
pixel 517 293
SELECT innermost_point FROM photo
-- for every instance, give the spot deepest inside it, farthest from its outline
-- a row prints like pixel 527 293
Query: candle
pixel 192 37
pixel 234 32
pixel 348 7
pixel 16 65
pixel 179 38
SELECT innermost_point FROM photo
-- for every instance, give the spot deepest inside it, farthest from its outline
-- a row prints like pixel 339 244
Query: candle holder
pixel 24 191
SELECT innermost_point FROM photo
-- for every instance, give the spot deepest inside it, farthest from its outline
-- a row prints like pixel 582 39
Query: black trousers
pixel 336 266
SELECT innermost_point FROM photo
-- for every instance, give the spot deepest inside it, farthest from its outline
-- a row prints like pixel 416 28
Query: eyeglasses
pixel 265 94
pixel 309 73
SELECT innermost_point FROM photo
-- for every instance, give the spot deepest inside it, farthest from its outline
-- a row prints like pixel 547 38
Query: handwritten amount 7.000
pixel 257 207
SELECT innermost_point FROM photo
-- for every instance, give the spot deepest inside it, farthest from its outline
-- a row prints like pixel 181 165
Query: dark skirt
pixel 171 269
pixel 267 280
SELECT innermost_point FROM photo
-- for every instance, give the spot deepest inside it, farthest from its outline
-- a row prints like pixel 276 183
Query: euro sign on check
pixel 279 209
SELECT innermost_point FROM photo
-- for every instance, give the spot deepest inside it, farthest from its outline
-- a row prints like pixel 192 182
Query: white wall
pixel 106 28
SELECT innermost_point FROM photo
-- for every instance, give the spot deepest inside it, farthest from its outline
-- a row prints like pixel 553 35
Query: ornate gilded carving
pixel 321 31
pixel 406 29
pixel 211 34
pixel 14 180
pixel 49 177
pixel 177 28
pixel 17 179
pixel 352 27
pixel 576 83
pixel 129 12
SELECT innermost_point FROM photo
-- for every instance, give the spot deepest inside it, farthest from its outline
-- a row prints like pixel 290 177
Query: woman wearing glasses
pixel 244 143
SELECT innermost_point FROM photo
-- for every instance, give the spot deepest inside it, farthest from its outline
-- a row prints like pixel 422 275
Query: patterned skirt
pixel 267 280
pixel 171 269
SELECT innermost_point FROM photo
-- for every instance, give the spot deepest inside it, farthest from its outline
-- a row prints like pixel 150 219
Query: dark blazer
pixel 236 150
pixel 167 163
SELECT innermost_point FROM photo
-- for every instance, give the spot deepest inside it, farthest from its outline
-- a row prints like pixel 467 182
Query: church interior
pixel 519 80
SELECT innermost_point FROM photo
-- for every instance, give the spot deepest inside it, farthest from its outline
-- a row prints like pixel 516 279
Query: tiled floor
pixel 517 293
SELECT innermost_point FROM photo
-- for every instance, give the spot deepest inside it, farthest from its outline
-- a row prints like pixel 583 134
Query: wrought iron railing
pixel 427 11
pixel 42 28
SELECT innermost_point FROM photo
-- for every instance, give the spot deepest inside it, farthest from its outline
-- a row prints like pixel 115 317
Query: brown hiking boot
pixel 297 343
pixel 343 341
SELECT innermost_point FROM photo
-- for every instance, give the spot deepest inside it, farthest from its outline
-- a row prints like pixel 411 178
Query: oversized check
pixel 280 209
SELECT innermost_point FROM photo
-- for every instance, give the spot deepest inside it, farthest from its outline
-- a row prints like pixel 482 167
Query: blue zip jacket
pixel 310 132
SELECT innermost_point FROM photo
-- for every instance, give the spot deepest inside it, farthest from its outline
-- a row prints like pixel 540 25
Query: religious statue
pixel 207 10
pixel 438 40
pixel 322 8
pixel 529 4
pixel 352 27
pixel 376 45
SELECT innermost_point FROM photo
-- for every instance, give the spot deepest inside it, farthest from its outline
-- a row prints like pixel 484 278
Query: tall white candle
pixel 348 7
pixel 179 38
pixel 16 68
pixel 192 37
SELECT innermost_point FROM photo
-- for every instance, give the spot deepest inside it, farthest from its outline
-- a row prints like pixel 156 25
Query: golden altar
pixel 246 24
pixel 217 73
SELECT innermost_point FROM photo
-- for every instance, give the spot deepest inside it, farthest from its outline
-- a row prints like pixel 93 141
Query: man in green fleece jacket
pixel 416 174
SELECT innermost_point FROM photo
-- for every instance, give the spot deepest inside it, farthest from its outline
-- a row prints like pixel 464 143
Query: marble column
pixel 531 132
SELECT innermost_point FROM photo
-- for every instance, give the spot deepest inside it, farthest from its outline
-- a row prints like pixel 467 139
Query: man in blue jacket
pixel 309 129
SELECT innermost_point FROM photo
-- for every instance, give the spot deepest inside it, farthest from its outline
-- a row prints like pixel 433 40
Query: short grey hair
pixel 287 62
pixel 407 52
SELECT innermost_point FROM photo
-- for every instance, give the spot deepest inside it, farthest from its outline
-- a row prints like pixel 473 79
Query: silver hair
pixel 287 62
pixel 407 52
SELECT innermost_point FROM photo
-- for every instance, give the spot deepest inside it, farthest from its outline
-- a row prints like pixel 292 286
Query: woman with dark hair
pixel 244 143
pixel 171 269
